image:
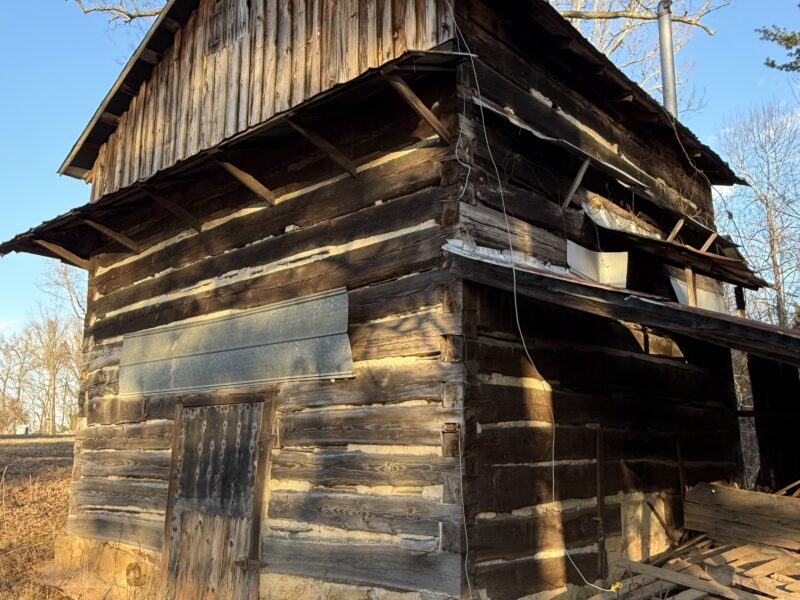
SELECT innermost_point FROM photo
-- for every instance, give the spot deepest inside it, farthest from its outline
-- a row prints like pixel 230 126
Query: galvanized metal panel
pixel 301 339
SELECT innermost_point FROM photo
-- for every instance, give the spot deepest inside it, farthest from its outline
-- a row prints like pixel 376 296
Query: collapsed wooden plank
pixel 689 581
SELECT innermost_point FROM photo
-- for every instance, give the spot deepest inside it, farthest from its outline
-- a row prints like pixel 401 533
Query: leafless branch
pixel 124 10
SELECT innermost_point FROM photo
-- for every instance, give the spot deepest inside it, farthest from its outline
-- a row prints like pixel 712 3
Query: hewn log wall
pixel 664 408
pixel 290 51
pixel 359 469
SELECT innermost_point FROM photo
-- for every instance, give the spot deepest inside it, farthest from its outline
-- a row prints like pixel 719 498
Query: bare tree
pixel 124 11
pixel 763 146
pixel 624 31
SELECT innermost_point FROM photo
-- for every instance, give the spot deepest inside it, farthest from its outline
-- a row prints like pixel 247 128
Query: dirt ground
pixel 34 500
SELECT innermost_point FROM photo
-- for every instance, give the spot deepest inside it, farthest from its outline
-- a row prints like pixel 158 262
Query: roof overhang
pixel 71 232
pixel 753 337
pixel 137 70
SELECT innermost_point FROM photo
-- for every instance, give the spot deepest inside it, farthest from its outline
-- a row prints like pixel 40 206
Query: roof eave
pixel 165 23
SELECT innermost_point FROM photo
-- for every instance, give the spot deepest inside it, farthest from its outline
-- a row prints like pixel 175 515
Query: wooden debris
pixel 750 516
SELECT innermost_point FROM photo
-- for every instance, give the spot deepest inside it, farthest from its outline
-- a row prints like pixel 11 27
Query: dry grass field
pixel 34 499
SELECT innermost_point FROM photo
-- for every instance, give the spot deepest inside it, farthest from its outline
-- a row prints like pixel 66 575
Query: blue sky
pixel 57 64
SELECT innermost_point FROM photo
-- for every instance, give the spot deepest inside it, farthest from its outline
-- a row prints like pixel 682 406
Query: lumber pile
pixel 747 550
pixel 725 513
pixel 704 568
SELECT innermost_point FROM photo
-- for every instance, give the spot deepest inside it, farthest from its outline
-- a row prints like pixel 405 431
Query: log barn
pixel 410 299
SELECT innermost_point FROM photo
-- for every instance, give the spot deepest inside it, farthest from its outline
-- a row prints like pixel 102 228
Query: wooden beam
pixel 691 286
pixel 576 182
pixel 150 56
pixel 741 305
pixel 399 84
pixel 177 210
pixel 248 181
pixel 171 24
pixel 689 581
pixel 332 151
pixel 110 118
pixel 675 230
pixel 65 254
pixel 114 235
pixel 709 241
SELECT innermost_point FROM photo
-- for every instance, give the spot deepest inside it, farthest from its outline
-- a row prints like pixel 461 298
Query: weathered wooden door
pixel 220 463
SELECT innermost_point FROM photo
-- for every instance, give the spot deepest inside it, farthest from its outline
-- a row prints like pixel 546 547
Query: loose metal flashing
pixel 299 339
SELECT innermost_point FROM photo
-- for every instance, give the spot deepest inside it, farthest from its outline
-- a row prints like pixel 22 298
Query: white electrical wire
pixel 460 36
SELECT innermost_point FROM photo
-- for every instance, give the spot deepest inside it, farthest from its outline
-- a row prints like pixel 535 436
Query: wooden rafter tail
pixel 709 241
pixel 247 180
pixel 576 182
pixel 121 238
pixel 65 254
pixel 399 84
pixel 332 151
pixel 676 230
pixel 176 209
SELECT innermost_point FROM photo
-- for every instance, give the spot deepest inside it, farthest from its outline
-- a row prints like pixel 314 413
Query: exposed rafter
pixel 176 209
pixel 576 182
pixel 332 151
pixel 65 254
pixel 121 238
pixel 399 84
pixel 247 180
pixel 676 230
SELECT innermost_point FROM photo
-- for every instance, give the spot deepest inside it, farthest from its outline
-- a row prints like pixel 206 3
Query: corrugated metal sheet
pixel 300 339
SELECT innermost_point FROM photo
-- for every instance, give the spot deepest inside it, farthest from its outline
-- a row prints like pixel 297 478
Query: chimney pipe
pixel 668 86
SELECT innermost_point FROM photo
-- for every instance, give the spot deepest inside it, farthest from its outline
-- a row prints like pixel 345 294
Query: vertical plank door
pixel 219 466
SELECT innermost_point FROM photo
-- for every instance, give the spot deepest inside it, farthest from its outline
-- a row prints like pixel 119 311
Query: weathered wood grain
pixel 117 527
pixel 364 512
pixel 369 264
pixel 153 435
pixel 114 410
pixel 508 487
pixel 403 425
pixel 358 468
pixel 507 580
pixel 124 463
pixel 508 538
pixel 376 220
pixel 752 516
pixel 494 403
pixel 381 565
pixel 488 227
pixel 119 494
pixel 373 385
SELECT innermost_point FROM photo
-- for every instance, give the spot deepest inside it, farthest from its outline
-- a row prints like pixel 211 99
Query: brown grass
pixel 34 500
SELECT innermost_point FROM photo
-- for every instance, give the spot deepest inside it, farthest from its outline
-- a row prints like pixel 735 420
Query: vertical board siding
pixel 290 51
